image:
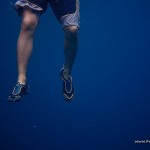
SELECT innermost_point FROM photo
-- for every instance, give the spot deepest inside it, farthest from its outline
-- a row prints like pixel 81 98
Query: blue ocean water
pixel 111 77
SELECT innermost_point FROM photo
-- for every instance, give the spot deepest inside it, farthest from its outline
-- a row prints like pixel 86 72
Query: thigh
pixel 66 11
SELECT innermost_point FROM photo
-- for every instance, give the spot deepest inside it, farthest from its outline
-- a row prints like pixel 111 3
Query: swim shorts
pixel 66 11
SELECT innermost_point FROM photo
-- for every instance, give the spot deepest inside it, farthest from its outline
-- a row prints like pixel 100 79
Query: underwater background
pixel 111 109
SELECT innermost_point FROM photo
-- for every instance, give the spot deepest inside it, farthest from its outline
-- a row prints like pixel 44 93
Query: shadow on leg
pixel 70 49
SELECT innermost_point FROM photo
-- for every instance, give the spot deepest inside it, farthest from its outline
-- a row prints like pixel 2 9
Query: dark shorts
pixel 66 11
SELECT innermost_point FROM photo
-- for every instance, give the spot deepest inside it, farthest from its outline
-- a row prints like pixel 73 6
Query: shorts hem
pixel 72 19
pixel 19 5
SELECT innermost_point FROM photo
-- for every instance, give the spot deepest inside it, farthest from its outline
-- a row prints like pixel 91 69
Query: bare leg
pixel 70 49
pixel 25 42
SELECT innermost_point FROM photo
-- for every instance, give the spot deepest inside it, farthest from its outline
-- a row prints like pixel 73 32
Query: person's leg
pixel 24 50
pixel 70 48
pixel 25 42
pixel 67 13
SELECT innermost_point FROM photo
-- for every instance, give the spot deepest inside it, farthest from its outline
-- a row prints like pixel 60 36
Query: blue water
pixel 111 78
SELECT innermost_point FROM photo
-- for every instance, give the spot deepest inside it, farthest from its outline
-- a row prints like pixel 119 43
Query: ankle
pixel 66 74
pixel 22 80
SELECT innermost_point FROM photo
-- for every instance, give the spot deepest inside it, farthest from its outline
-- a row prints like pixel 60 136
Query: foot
pixel 68 90
pixel 19 91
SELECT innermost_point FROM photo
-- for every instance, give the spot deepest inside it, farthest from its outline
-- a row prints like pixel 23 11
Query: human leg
pixel 30 11
pixel 24 50
pixel 25 42
pixel 70 48
pixel 67 13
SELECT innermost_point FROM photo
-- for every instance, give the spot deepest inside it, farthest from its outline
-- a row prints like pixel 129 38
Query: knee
pixel 71 32
pixel 28 24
